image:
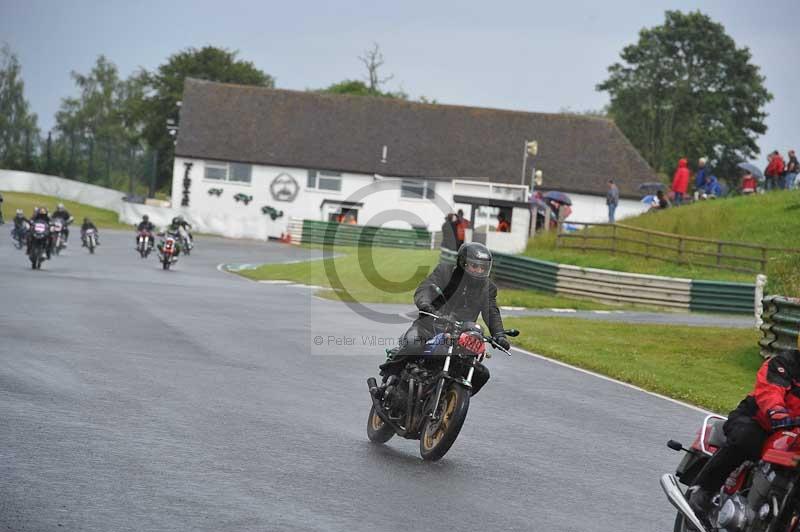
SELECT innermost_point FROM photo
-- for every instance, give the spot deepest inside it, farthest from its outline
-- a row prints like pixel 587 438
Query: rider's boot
pixel 701 501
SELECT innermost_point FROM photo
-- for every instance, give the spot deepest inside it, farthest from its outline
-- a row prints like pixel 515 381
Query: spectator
pixel 701 175
pixel 461 228
pixel 792 169
pixel 660 201
pixel 680 181
pixel 449 232
pixel 502 224
pixel 773 174
pixel 350 219
pixel 612 200
pixel 712 188
pixel 749 184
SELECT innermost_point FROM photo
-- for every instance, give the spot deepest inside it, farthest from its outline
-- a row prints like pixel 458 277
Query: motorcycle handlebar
pixel 489 339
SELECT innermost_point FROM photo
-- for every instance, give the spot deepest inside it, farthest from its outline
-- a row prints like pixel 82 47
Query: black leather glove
pixel 502 341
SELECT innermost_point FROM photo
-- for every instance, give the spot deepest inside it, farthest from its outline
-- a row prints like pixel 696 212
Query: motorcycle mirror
pixel 512 332
pixel 675 445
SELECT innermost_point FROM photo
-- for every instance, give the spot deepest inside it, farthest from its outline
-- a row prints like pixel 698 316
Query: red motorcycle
pixel 144 243
pixel 761 496
pixel 169 250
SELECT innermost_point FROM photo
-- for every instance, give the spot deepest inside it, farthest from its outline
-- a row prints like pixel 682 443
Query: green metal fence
pixel 522 272
pixel 317 232
pixel 717 296
pixel 781 325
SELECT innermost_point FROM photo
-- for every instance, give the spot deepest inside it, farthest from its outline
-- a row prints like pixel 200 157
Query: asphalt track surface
pixel 134 399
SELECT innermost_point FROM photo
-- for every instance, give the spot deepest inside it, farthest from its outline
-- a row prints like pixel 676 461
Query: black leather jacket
pixel 462 297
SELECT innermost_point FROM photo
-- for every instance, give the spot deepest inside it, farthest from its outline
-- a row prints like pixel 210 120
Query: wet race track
pixel 134 399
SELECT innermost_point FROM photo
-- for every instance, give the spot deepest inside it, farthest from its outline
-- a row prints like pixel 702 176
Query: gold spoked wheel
pixel 438 436
pixel 377 430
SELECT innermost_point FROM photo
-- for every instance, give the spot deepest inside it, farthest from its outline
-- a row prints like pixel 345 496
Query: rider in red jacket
pixel 680 181
pixel 772 405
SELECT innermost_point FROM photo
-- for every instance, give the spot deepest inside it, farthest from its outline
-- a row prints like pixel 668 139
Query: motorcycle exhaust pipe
pixel 673 492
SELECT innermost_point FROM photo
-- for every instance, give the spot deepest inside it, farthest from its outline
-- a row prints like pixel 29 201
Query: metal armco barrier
pixel 316 232
pixel 620 287
pixel 781 325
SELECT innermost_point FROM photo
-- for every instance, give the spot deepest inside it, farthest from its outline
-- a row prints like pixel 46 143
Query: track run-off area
pixel 136 399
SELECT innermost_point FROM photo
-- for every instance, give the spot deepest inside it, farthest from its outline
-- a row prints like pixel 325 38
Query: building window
pixel 217 172
pixel 241 173
pixel 416 189
pixel 234 172
pixel 324 180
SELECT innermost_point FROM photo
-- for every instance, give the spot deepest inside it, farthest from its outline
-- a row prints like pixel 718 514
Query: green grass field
pixel 390 276
pixel 18 200
pixel 710 367
pixel 771 219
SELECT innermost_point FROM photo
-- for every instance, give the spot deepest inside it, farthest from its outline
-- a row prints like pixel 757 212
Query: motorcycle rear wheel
pixel 165 264
pixel 437 438
pixel 377 430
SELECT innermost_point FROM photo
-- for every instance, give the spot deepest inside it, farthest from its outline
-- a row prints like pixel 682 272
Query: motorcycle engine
pixel 735 514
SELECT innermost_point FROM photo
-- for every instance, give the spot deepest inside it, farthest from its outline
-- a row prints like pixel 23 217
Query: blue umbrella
pixel 649 198
pixel 753 169
pixel 558 197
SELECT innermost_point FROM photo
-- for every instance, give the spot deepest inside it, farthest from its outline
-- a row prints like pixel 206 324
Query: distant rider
pixel 88 224
pixel 146 225
pixel 40 215
pixel 63 214
pixel 21 225
pixel 466 292
pixel 181 227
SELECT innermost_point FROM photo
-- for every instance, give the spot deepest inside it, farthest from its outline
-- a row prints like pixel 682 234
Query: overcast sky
pixel 525 55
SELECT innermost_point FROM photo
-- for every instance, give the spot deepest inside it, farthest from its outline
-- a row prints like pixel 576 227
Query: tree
pixel 373 83
pixel 19 133
pixel 166 89
pixel 685 90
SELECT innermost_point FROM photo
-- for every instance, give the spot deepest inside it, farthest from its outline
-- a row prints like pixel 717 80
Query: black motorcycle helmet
pixel 475 259
pixel 145 218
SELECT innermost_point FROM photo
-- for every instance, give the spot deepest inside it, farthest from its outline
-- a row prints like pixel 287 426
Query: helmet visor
pixel 478 268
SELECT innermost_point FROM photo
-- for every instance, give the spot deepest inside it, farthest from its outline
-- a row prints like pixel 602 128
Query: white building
pixel 250 158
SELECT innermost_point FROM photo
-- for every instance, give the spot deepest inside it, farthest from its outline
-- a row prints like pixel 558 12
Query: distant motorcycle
pixel 186 243
pixel 57 227
pixel 168 250
pixel 144 243
pixel 20 235
pixel 90 239
pixel 39 240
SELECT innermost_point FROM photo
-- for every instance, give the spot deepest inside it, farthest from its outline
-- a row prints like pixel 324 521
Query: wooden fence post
pixel 763 259
pixel 719 253
pixel 680 250
pixel 614 239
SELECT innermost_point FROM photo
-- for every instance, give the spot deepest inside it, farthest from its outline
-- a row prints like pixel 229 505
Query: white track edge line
pixel 610 379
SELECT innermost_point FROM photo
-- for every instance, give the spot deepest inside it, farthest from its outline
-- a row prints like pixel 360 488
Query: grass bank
pixel 385 275
pixel 770 219
pixel 19 200
pixel 709 367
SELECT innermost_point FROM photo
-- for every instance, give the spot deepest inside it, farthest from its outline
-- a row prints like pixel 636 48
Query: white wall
pixel 103 198
pixel 587 208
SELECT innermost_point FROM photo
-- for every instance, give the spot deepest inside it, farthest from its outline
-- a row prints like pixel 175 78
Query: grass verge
pixel 709 367
pixel 18 200
pixel 385 275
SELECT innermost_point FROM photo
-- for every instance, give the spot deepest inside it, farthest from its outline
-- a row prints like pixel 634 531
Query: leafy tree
pixel 685 90
pixel 19 133
pixel 166 86
pixel 359 88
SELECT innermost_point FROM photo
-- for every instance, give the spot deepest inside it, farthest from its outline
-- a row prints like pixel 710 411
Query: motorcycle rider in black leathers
pixel 175 227
pixel 88 224
pixel 146 225
pixel 65 217
pixel 462 292
pixel 19 225
pixel 40 215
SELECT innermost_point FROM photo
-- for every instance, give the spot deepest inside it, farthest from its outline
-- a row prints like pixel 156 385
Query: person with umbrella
pixel 750 178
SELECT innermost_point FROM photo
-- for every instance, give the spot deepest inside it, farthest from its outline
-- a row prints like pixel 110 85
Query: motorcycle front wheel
pixel 438 436
pixel 377 430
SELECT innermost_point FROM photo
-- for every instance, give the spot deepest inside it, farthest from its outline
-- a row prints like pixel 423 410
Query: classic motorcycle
pixel 90 239
pixel 57 227
pixel 430 399
pixel 39 240
pixel 20 235
pixel 144 243
pixel 168 250
pixel 762 496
